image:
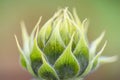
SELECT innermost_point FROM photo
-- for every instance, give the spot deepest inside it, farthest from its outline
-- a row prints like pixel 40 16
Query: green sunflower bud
pixel 60 49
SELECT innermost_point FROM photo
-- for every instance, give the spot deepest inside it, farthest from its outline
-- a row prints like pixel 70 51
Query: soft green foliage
pixel 60 50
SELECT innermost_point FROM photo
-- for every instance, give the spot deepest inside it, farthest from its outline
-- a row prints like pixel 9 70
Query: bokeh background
pixel 102 14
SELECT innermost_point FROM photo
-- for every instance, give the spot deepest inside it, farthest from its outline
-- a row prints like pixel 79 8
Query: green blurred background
pixel 102 14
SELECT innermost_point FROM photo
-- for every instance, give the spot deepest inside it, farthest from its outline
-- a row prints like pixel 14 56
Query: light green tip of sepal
pixel 104 59
pixel 95 44
pixel 77 20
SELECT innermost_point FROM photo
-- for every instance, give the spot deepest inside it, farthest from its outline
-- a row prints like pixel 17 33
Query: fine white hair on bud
pixel 60 49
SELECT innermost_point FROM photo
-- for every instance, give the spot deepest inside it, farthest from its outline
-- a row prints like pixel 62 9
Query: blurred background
pixel 102 14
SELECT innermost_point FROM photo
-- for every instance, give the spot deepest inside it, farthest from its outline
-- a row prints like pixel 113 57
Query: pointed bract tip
pixel 18 45
pixel 108 59
pixel 100 52
pixel 37 25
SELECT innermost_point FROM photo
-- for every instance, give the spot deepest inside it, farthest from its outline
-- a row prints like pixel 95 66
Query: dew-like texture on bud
pixel 60 50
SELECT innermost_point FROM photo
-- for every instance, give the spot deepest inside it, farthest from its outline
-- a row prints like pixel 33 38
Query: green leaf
pixel 104 59
pixel 85 25
pixel 76 39
pixel 82 54
pixel 23 62
pixel 25 38
pixel 77 20
pixel 95 44
pixel 46 31
pixel 93 63
pixel 96 58
pixel 66 28
pixel 67 65
pixel 87 70
pixel 25 58
pixel 72 27
pixel 31 39
pixel 64 31
pixel 25 35
pixel 44 34
pixel 46 71
pixel 55 46
pixel 36 57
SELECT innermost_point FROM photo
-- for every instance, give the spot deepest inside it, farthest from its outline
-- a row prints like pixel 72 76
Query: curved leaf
pixel 77 20
pixel 66 65
pixel 104 59
pixel 96 58
pixel 25 37
pixel 46 71
pixel 81 52
pixel 55 46
pixel 36 57
pixel 64 31
pixel 25 60
pixel 95 44
pixel 44 34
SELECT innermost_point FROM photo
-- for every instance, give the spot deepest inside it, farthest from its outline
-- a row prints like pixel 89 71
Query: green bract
pixel 60 50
